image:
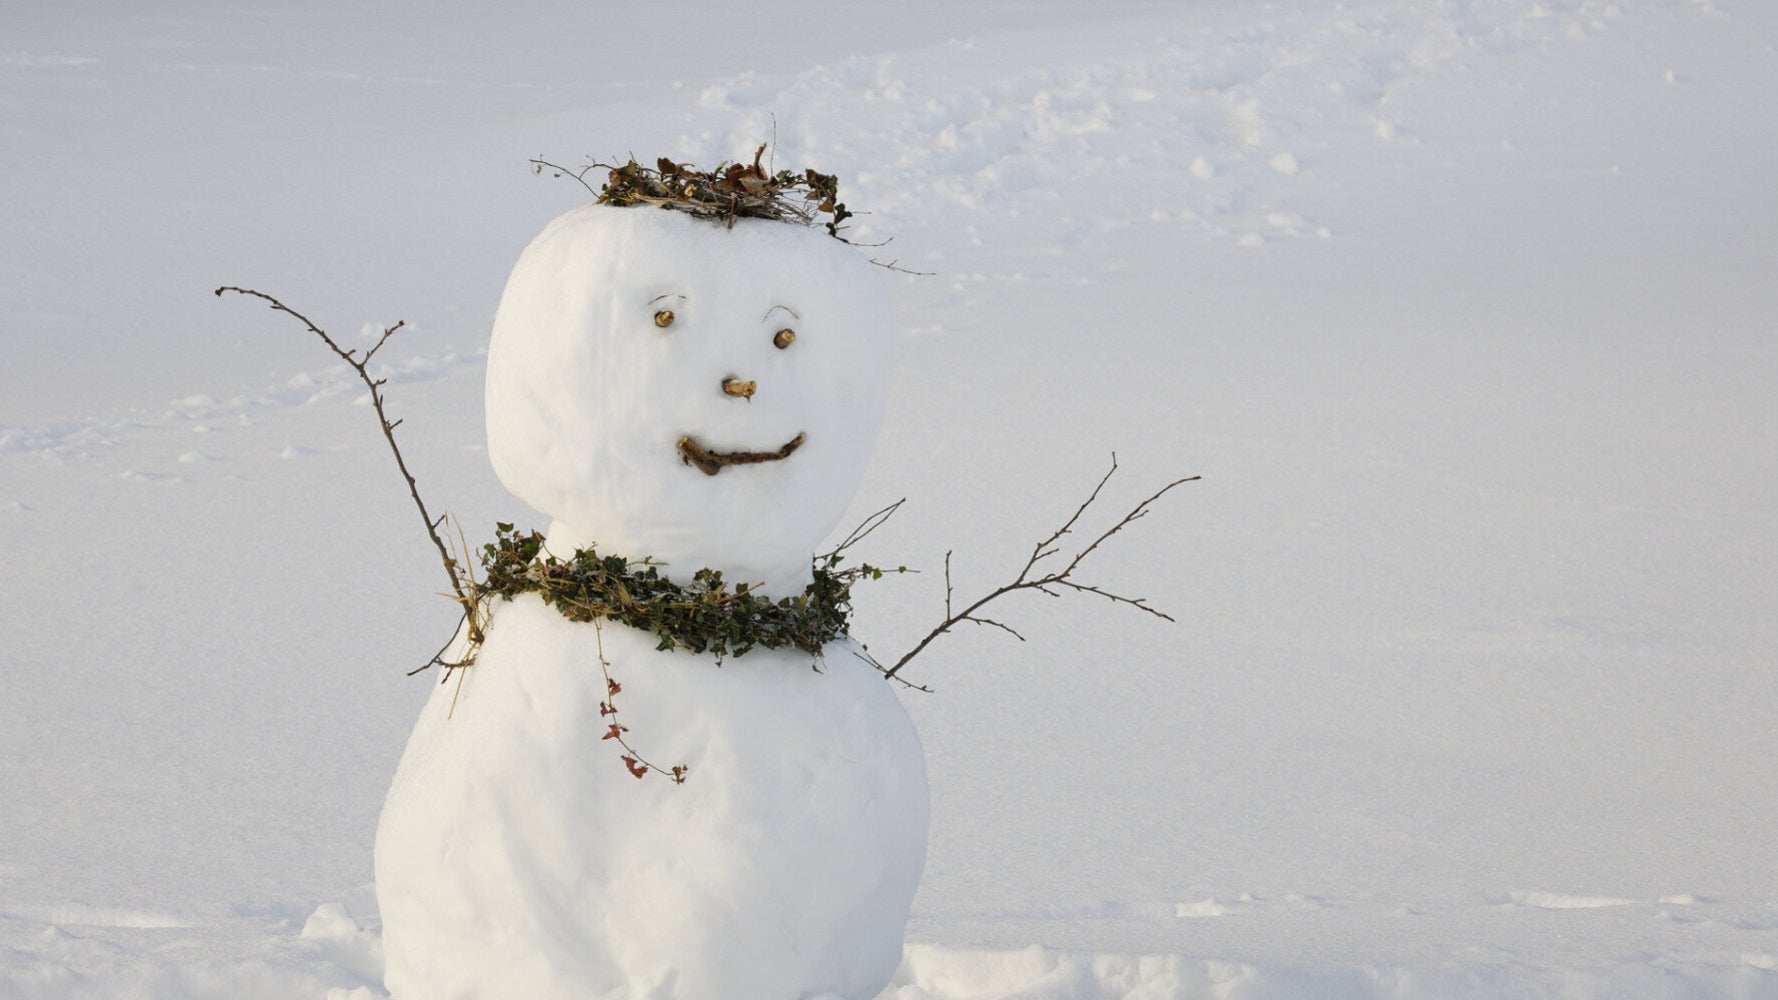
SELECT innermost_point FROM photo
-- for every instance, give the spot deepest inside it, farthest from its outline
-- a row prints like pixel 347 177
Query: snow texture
pixel 1464 310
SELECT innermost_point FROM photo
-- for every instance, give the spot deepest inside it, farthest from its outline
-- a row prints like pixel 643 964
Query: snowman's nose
pixel 735 387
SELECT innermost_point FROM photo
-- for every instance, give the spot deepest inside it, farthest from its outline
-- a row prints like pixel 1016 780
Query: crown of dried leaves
pixel 729 192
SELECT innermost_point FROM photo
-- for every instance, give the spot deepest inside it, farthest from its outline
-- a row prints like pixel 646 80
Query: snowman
pixel 703 394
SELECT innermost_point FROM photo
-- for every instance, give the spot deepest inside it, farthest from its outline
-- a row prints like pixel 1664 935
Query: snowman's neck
pixel 777 578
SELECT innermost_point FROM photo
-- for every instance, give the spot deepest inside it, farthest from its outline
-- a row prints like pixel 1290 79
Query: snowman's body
pixel 516 855
pixel 518 858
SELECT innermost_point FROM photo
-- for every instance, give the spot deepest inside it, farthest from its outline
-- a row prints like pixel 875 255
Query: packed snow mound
pixel 518 857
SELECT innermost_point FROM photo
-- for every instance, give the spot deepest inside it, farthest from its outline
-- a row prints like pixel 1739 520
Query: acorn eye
pixel 664 318
pixel 784 338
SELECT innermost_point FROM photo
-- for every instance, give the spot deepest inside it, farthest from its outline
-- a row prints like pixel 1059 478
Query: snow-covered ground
pixel 1464 310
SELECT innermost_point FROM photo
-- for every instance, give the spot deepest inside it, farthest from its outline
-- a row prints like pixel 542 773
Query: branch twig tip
pixel 1046 583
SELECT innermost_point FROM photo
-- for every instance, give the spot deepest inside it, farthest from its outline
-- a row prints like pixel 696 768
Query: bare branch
pixel 1046 583
pixel 437 659
pixel 861 532
pixel 1139 603
pixel 904 682
pixel 1043 548
pixel 947 588
pixel 540 165
pixel 895 265
pixel 1136 513
pixel 460 588
pixel 1002 626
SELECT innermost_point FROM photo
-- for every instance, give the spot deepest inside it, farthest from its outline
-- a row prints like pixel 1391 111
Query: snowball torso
pixel 516 856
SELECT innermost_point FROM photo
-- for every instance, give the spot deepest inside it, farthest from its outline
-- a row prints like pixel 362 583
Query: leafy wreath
pixel 704 616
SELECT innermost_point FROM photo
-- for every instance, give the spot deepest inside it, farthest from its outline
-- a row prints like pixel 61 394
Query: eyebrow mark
pixel 787 309
pixel 673 295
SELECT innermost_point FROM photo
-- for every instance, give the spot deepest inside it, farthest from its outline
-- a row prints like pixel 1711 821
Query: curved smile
pixel 711 462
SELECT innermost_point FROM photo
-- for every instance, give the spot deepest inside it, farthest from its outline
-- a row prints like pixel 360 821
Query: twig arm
pixel 1046 583
pixel 360 364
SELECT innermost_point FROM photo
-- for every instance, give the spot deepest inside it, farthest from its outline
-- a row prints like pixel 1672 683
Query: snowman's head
pixel 667 386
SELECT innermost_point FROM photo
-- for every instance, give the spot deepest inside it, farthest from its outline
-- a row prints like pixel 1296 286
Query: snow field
pixel 1463 310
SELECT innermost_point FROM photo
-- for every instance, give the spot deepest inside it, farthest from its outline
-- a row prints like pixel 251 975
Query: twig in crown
pixel 729 192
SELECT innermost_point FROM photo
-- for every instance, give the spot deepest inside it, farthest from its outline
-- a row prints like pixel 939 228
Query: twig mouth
pixel 711 462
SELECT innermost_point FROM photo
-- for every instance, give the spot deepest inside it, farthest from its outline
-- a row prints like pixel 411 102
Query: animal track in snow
pixel 79 440
pixel 1201 908
pixel 1568 901
pixel 1560 901
pixel 76 915
pixel 1248 902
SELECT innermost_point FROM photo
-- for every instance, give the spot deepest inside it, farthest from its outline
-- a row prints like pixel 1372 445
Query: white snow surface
pixel 1463 310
